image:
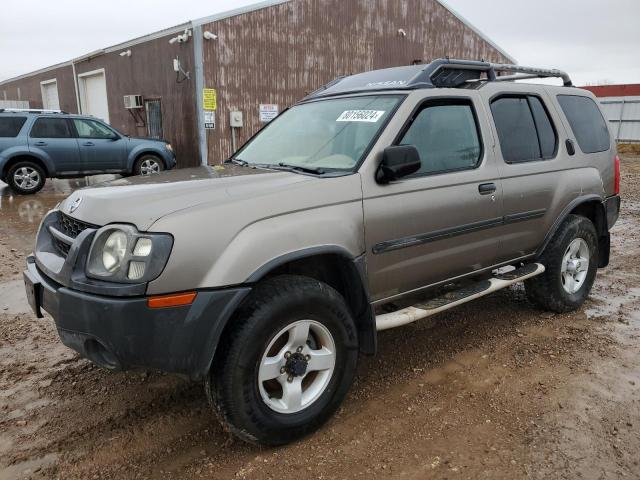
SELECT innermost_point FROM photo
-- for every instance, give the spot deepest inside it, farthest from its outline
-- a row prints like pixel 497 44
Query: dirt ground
pixel 494 389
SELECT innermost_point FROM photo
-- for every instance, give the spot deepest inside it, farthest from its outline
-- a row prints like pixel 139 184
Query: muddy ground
pixel 493 389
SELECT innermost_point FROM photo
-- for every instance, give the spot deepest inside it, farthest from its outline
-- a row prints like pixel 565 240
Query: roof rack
pixel 441 73
pixel 30 110
pixel 524 73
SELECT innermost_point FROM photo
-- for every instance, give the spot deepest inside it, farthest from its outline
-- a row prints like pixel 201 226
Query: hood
pixel 142 200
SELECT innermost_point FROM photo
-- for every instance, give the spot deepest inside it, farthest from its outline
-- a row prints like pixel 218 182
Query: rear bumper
pixel 121 333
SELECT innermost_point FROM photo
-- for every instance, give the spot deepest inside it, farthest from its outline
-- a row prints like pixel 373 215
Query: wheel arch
pixel 334 266
pixel 138 154
pixel 590 207
pixel 19 157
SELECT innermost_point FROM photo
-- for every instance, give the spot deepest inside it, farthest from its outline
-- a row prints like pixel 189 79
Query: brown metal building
pixel 259 60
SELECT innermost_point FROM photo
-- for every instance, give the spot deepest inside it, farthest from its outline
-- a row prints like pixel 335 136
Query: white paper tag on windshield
pixel 360 116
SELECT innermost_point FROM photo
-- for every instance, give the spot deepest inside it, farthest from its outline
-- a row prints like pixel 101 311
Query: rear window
pixel 587 123
pixel 50 128
pixel 524 129
pixel 10 126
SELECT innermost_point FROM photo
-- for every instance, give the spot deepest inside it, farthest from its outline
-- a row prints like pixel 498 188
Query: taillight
pixel 616 177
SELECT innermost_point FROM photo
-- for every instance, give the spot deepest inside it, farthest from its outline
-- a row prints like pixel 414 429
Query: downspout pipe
pixel 75 86
pixel 198 58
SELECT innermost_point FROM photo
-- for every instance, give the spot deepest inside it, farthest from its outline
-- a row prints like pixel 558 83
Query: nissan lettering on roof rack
pixel 380 199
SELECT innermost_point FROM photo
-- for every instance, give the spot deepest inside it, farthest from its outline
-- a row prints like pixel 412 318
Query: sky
pixel 595 41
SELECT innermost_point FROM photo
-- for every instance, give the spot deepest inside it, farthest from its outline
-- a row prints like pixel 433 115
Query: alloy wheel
pixel 575 265
pixel 27 178
pixel 297 366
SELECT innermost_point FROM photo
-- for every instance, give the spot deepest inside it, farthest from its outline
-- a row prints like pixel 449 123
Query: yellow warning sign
pixel 210 98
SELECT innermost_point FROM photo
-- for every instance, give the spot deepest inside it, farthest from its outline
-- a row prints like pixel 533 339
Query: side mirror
pixel 398 161
pixel 115 137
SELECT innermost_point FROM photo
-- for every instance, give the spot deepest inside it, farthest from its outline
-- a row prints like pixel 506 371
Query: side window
pixel 92 129
pixel 546 133
pixel 11 126
pixel 50 128
pixel 446 137
pixel 587 123
pixel 524 128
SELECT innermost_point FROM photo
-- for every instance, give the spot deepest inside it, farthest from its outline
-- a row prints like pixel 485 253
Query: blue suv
pixel 36 144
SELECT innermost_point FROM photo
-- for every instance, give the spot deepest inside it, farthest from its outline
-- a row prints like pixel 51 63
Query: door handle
pixel 88 144
pixel 486 188
pixel 41 144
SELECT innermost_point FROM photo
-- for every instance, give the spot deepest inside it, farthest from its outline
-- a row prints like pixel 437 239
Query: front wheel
pixel 571 262
pixel 148 165
pixel 288 362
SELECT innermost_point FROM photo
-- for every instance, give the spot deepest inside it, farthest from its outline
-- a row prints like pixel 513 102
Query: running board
pixel 458 297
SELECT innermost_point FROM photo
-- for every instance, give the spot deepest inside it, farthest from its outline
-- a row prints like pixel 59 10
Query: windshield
pixel 321 136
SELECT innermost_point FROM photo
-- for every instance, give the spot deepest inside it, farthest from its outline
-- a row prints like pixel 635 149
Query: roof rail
pixel 523 73
pixel 30 110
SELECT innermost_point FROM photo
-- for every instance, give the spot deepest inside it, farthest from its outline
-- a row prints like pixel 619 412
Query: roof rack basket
pixel 446 72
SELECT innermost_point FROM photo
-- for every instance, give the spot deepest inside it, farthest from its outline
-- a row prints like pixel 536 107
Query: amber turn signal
pixel 173 300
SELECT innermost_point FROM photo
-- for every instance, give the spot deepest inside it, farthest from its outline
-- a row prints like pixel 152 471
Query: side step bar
pixel 453 299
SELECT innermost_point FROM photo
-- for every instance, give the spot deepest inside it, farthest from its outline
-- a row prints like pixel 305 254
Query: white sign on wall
pixel 209 119
pixel 268 111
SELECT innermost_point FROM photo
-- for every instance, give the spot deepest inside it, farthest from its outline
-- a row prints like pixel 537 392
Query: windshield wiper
pixel 238 161
pixel 298 168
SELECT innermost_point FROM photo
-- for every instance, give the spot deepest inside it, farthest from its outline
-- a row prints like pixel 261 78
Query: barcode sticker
pixel 360 116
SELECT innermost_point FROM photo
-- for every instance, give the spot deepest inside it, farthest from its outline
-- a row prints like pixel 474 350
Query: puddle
pixel 609 305
pixel 12 298
pixel 21 214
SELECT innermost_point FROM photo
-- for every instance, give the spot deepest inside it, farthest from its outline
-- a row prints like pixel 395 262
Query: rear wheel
pixel 26 177
pixel 288 362
pixel 148 165
pixel 571 262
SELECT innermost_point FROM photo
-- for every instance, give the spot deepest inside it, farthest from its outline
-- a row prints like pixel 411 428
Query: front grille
pixel 71 227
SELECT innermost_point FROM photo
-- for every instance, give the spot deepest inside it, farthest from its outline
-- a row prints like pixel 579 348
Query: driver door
pixel 438 223
pixel 101 149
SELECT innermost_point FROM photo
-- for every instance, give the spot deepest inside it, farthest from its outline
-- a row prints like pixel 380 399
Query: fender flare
pixel 365 319
pixel 576 202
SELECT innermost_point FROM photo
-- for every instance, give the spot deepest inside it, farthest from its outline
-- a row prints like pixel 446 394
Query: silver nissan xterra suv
pixel 380 199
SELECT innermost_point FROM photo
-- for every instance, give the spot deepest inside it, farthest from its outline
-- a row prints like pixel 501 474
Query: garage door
pixel 93 95
pixel 50 95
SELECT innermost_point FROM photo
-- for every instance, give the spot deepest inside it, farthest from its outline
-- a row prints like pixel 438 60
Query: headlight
pixel 114 251
pixel 119 253
pixel 169 147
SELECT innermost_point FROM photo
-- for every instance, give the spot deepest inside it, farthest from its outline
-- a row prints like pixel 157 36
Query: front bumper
pixel 121 333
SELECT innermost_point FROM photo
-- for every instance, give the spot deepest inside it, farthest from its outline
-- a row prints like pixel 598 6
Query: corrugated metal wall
pixel 277 55
pixel 623 114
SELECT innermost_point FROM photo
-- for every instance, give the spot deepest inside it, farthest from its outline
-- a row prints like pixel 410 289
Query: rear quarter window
pixel 11 126
pixel 587 123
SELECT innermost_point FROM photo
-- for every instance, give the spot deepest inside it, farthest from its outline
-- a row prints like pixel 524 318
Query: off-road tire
pixel 139 166
pixel 232 385
pixel 30 166
pixel 546 290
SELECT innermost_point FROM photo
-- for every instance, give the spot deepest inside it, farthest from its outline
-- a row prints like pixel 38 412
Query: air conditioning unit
pixel 133 101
